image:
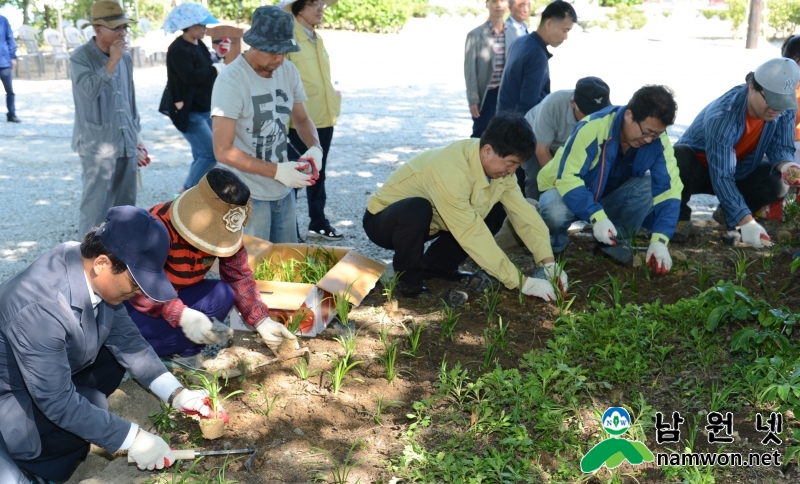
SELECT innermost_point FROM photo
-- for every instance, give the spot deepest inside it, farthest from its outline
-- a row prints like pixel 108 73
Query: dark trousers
pixel 762 187
pixel 214 298
pixel 488 110
pixel 62 450
pixel 5 77
pixel 403 227
pixel 315 193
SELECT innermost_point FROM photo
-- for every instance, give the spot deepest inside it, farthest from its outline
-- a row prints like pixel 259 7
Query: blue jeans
pixel 275 220
pixel 214 298
pixel 5 78
pixel 626 207
pixel 200 138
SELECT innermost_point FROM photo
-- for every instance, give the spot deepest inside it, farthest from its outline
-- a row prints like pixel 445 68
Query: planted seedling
pixel 492 347
pixel 489 301
pixel 348 342
pixel 213 426
pixel 389 286
pixel 380 406
pixel 389 359
pixel 341 302
pixel 339 472
pixel 296 320
pixel 702 277
pixel 520 280
pixel 340 370
pixel 414 338
pixel 449 321
pixel 302 370
pixel 740 265
pixel 383 333
pixel 165 419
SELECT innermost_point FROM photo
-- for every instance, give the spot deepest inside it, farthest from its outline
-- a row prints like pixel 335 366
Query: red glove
pixel 142 157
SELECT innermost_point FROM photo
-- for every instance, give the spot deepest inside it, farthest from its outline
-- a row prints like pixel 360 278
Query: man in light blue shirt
pixel 520 13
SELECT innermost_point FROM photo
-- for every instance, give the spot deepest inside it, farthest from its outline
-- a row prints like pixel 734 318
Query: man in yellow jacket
pixel 459 195
pixel 323 103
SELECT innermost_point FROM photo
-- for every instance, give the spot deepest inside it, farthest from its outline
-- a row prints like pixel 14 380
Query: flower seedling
pixel 449 322
pixel 302 370
pixel 389 286
pixel 740 266
pixel 348 342
pixel 414 338
pixel 389 359
pixel 340 370
pixel 213 386
pixel 489 301
pixel 380 406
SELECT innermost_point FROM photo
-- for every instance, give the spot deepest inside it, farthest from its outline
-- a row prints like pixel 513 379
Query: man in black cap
pixel 66 341
pixel 251 105
pixel 554 119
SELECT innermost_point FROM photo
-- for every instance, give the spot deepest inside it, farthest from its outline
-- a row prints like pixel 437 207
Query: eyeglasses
pixel 119 29
pixel 136 287
pixel 766 102
pixel 318 5
pixel 652 136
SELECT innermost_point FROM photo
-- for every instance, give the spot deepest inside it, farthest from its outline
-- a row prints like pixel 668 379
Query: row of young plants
pixel 487 423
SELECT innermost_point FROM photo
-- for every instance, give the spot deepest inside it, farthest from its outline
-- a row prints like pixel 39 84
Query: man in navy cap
pixel 66 341
pixel 253 100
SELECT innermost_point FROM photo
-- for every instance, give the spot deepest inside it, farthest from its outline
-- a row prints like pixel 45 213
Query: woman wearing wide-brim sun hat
pixel 191 72
pixel 323 105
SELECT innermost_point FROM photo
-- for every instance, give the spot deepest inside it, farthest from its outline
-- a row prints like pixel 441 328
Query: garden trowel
pixel 622 254
pixel 188 454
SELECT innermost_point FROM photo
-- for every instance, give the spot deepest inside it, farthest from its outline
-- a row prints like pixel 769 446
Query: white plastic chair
pixel 30 39
pixel 60 53
pixel 73 37
pixel 88 31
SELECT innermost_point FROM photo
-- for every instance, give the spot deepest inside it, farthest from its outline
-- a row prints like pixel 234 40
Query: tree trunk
pixel 754 24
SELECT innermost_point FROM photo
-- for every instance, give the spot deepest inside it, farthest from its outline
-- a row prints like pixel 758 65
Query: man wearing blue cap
pixel 253 100
pixel 66 341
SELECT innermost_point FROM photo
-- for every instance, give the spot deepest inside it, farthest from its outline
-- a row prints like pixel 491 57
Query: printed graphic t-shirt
pixel 262 108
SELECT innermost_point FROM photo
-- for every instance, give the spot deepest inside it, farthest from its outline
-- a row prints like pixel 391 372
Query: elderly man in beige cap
pixel 205 224
pixel 106 130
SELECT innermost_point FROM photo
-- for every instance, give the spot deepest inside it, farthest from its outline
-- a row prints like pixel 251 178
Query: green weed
pixel 165 419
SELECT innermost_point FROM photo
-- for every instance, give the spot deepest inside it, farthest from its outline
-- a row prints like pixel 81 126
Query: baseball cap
pixel 779 78
pixel 272 31
pixel 140 241
pixel 591 95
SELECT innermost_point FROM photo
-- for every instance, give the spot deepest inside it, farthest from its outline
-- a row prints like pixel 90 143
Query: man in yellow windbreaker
pixel 459 195
pixel 601 176
pixel 323 104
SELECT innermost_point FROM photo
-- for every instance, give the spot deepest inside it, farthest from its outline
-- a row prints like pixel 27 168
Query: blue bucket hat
pixel 272 31
pixel 140 241
pixel 187 14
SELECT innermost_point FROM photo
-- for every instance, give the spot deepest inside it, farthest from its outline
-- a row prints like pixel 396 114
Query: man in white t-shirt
pixel 251 104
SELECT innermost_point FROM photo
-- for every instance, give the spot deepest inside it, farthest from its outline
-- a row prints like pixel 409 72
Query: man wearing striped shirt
pixel 484 61
pixel 741 149
pixel 205 224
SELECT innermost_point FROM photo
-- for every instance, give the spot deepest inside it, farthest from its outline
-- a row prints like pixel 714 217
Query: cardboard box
pixel 313 301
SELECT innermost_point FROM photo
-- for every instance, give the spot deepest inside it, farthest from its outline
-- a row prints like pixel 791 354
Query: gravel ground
pixel 403 94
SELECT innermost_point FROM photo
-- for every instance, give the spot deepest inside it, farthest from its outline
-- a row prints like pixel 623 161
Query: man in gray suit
pixel 484 61
pixel 66 341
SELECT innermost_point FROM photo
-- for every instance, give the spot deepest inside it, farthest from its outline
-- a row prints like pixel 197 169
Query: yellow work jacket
pixel 453 180
pixel 324 103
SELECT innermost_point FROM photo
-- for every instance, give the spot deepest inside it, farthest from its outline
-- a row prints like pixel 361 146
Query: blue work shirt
pixel 526 78
pixel 8 48
pixel 715 132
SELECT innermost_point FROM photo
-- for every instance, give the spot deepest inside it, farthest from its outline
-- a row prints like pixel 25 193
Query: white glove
pixel 554 273
pixel 289 174
pixel 658 256
pixel 150 452
pixel 605 232
pixel 193 401
pixel 198 328
pixel 314 154
pixel 754 234
pixel 273 333
pixel 540 288
pixel 790 172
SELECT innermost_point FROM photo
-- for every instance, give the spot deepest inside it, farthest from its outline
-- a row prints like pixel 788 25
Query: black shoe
pixel 433 271
pixel 327 232
pixel 412 290
pixel 14 119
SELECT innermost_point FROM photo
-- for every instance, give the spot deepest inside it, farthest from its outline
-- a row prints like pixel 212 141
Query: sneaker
pixel 14 119
pixel 327 233
pixel 682 232
pixel 719 216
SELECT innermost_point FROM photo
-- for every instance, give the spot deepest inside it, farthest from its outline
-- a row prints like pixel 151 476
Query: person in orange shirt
pixel 741 149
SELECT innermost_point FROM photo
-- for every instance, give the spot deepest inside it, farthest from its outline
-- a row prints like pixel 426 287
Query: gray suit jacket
pixel 479 60
pixel 48 332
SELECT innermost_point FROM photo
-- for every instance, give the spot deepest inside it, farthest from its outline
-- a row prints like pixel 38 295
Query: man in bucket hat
pixel 66 342
pixel 106 130
pixel 723 152
pixel 253 100
pixel 205 223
